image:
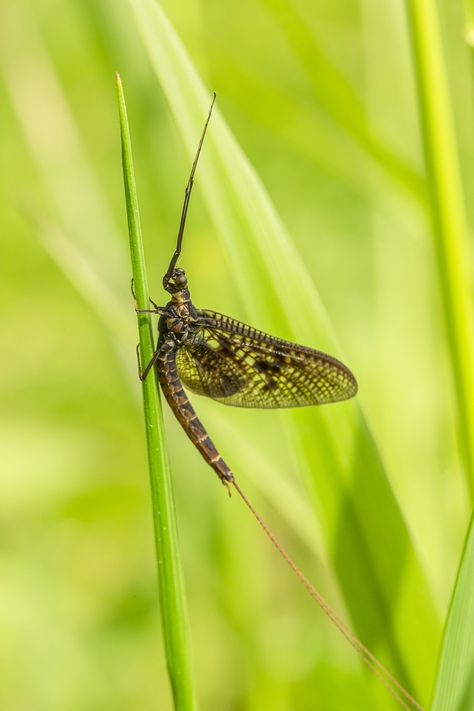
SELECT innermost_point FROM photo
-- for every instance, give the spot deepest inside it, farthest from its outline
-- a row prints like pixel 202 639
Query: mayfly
pixel 235 364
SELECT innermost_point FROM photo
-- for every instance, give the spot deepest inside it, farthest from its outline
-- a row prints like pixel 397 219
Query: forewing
pixel 238 365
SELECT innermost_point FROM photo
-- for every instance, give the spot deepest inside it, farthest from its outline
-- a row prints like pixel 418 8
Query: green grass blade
pixel 455 681
pixel 367 540
pixel 447 209
pixel 172 597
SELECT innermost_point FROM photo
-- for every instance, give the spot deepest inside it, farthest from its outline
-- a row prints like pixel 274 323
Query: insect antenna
pixel 404 698
pixel 187 195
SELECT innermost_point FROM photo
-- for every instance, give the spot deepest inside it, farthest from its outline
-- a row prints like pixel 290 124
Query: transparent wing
pixel 238 365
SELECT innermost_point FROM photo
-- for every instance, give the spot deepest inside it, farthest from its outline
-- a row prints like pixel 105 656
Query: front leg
pixel 155 310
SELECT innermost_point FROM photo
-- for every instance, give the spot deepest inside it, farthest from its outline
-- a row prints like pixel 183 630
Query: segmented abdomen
pixel 179 402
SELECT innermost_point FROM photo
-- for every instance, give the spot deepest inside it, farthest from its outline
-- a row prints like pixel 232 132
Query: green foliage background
pixel 323 101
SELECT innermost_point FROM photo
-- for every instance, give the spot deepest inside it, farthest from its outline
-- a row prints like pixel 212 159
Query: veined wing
pixel 241 366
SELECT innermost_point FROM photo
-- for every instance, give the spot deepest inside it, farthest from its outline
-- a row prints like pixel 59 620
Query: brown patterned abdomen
pixel 179 402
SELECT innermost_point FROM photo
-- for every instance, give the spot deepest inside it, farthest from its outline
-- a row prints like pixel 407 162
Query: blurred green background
pixel 322 100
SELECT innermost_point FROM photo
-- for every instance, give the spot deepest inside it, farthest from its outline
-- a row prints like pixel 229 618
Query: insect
pixel 228 361
pixel 235 364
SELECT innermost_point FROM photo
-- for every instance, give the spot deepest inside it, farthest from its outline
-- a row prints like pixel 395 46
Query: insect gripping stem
pixel 218 356
pixel 404 698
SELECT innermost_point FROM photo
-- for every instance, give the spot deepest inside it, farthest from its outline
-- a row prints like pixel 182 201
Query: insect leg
pixel 142 374
pixel 187 195
pixel 154 310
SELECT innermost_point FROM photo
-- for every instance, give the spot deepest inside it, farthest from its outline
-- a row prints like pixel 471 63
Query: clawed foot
pixel 156 308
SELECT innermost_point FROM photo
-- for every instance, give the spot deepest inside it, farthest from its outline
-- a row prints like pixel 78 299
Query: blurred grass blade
pixel 367 540
pixel 172 598
pixel 455 681
pixel 447 209
pixel 336 95
pixel 65 171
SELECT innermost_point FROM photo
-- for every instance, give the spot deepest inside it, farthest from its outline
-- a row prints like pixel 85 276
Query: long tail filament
pixel 404 698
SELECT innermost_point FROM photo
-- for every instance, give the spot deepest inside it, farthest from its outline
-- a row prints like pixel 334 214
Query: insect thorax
pixel 179 317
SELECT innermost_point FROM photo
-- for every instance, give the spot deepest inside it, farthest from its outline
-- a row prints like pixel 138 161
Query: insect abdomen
pixel 184 411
